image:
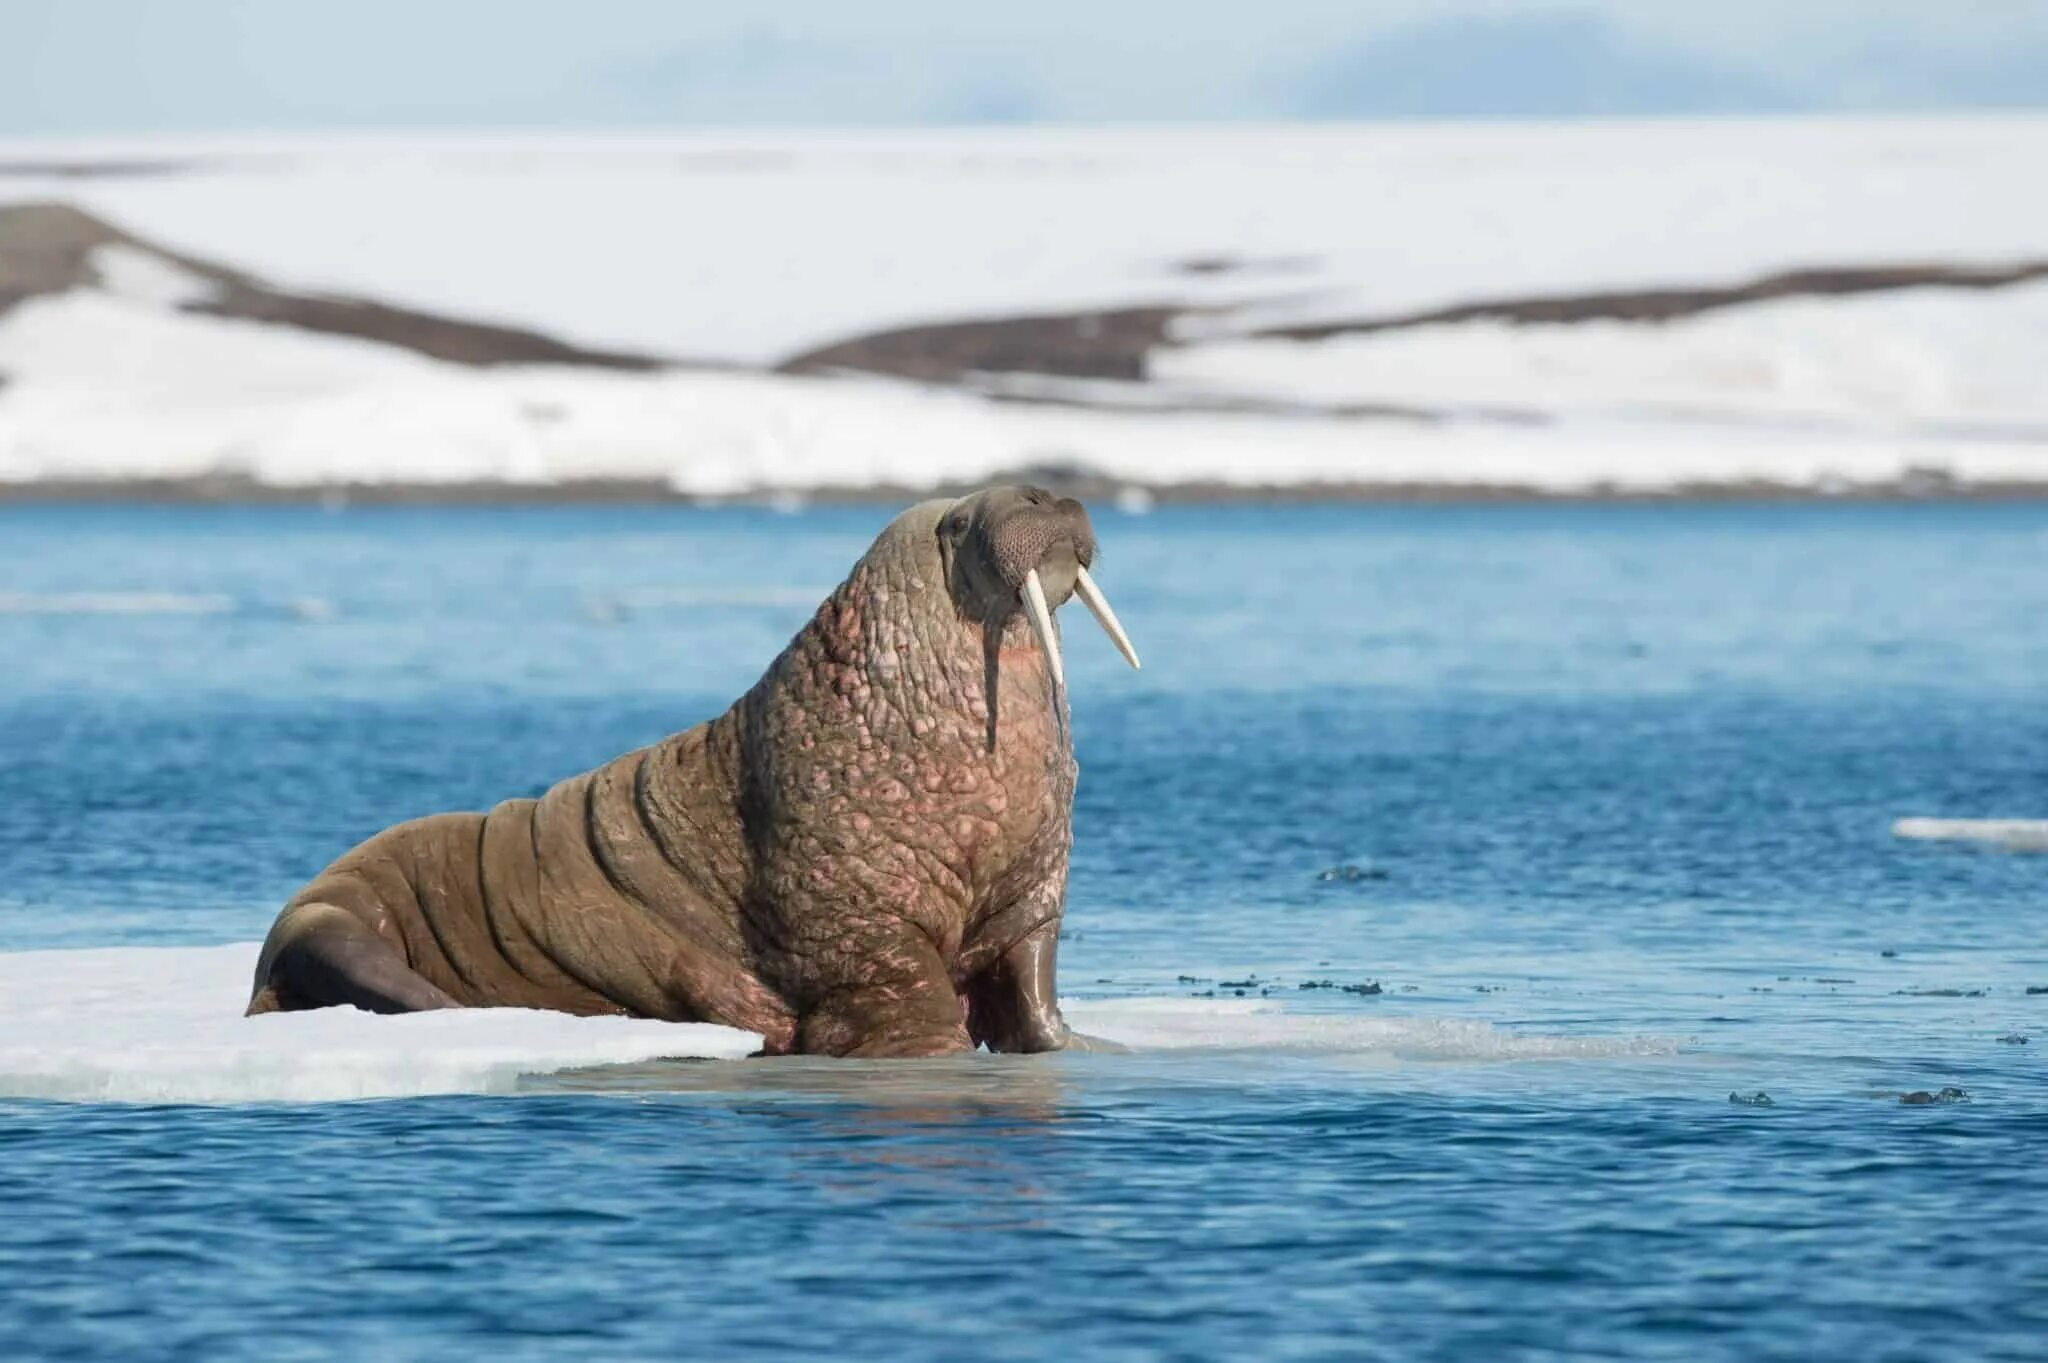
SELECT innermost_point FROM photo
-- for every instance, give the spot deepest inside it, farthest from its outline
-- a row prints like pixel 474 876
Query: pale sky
pixel 141 66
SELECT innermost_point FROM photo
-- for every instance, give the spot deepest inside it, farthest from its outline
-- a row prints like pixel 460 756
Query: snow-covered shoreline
pixel 745 252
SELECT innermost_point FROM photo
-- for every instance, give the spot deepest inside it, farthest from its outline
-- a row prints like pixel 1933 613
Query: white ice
pixel 164 1024
pixel 2014 835
pixel 113 603
pixel 1264 1025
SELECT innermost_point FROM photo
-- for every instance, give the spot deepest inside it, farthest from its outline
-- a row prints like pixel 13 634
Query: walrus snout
pixel 1028 528
pixel 1023 547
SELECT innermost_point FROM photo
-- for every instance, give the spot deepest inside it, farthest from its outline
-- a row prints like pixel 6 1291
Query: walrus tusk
pixel 1041 620
pixel 1085 586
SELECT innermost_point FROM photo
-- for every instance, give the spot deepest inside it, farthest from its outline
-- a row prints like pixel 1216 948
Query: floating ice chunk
pixel 1255 1024
pixel 164 1024
pixel 113 603
pixel 2015 835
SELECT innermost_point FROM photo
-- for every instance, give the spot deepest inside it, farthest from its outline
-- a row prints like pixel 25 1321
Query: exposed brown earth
pixel 1665 305
pixel 1110 344
pixel 1138 398
pixel 441 338
pixel 47 248
pixel 1117 343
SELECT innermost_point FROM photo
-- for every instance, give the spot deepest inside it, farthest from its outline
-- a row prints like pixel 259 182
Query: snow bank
pixel 753 247
pixel 154 1024
pixel 111 387
pixel 1906 362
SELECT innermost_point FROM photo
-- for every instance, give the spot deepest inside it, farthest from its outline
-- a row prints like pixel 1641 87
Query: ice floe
pixel 1262 1025
pixel 2016 835
pixel 164 1025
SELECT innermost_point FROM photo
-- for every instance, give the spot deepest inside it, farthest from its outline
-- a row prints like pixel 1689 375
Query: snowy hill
pixel 1808 305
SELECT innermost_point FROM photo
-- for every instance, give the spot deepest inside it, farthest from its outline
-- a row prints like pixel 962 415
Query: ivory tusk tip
pixel 1098 605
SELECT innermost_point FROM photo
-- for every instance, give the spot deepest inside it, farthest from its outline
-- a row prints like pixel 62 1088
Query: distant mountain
pixel 1894 74
pixel 142 66
pixel 1556 65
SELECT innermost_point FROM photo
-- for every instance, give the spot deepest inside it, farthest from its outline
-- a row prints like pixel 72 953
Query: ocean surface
pixel 1598 798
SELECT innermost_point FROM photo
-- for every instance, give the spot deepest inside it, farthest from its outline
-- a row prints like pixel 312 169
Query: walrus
pixel 865 856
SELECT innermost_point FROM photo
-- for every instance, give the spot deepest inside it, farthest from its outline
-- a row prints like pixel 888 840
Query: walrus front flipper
pixel 1014 1005
pixel 319 956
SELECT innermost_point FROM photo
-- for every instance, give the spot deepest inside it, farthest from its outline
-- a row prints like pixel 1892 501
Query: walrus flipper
pixel 319 956
pixel 1013 1006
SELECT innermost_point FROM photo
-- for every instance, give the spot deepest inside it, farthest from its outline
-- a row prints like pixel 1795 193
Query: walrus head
pixel 1012 549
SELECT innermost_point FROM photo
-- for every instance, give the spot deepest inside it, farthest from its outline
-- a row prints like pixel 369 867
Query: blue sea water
pixel 1603 773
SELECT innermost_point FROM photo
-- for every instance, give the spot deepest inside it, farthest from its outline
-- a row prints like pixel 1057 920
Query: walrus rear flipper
pixel 319 956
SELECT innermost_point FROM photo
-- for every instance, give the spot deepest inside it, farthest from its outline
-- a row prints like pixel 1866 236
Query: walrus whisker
pixel 1041 620
pixel 1098 604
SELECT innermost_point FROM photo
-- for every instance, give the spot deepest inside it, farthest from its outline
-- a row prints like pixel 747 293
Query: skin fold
pixel 865 856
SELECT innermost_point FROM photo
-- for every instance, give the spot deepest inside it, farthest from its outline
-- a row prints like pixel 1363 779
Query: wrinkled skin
pixel 866 855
